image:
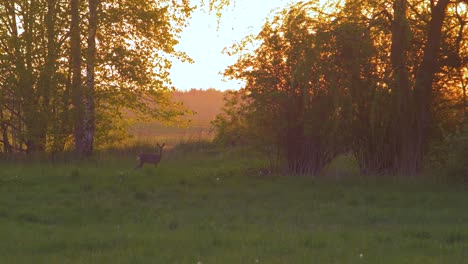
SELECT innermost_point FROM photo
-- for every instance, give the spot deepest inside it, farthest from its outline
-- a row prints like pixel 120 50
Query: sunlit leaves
pixel 315 70
pixel 135 42
pixel 289 100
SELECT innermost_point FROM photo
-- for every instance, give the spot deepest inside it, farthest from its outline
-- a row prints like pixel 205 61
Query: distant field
pixel 205 104
pixel 212 206
pixel 155 132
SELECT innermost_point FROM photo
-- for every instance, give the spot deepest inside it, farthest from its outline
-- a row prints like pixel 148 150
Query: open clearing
pixel 206 206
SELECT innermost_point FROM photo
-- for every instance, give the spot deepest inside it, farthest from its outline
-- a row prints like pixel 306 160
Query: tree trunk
pixel 423 88
pixel 402 158
pixel 77 97
pixel 89 115
pixel 33 134
pixel 7 148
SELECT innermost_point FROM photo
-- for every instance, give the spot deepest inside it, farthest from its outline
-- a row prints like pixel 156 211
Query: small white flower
pixel 361 255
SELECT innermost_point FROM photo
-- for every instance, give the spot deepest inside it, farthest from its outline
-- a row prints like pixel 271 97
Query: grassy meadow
pixel 209 205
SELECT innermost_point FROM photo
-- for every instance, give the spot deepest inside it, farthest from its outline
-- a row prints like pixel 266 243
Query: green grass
pixel 207 206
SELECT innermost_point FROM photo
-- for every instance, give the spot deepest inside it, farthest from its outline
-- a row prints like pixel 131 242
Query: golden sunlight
pixel 462 6
pixel 203 40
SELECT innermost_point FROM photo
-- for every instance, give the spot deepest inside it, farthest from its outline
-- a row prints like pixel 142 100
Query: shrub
pixel 451 155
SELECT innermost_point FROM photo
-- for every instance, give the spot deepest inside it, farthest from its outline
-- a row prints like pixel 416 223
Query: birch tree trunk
pixel 89 105
pixel 77 92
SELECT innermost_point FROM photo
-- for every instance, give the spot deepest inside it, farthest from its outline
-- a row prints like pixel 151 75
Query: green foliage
pixel 134 42
pixel 450 155
pixel 291 101
pixel 139 37
pixel 230 124
pixel 363 77
pixel 113 129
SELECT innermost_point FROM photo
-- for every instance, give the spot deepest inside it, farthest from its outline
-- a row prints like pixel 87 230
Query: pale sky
pixel 203 42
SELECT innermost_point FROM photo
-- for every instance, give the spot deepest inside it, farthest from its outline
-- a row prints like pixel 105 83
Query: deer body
pixel 152 158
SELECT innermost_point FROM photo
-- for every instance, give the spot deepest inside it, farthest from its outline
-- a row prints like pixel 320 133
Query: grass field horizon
pixel 212 205
pixel 152 132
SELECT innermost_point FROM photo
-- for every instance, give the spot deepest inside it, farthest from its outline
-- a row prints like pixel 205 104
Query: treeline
pixel 383 80
pixel 69 70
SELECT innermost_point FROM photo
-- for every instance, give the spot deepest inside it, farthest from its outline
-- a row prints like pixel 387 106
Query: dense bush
pixel 453 154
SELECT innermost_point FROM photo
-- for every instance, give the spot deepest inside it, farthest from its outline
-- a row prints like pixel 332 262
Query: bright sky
pixel 203 42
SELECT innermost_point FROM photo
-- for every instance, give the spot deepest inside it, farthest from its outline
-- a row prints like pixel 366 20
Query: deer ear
pixel 162 146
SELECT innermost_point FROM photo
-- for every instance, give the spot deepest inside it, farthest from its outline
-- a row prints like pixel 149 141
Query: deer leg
pixel 139 165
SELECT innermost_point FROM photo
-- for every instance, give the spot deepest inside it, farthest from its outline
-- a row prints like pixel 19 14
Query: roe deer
pixel 153 158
